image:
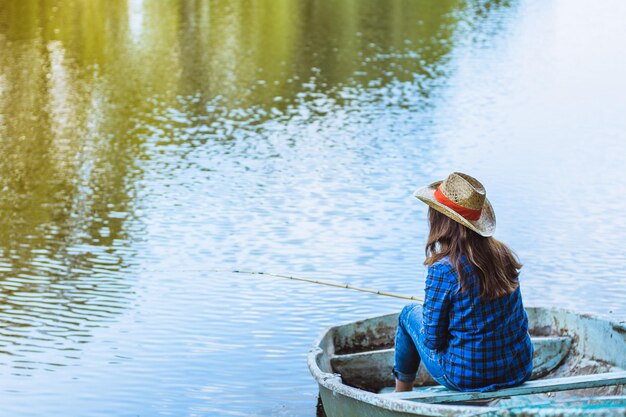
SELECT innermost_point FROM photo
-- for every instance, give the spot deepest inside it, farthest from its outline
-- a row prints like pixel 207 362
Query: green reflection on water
pixel 87 86
pixel 81 83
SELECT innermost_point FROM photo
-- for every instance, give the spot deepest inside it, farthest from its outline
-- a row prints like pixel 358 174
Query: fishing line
pixel 309 280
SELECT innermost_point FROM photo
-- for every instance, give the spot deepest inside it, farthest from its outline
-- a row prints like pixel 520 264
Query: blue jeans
pixel 410 350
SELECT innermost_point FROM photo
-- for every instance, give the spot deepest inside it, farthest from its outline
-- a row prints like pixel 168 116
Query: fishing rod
pixel 330 284
pixel 309 280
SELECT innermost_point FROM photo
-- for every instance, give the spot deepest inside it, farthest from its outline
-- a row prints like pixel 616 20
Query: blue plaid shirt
pixel 485 345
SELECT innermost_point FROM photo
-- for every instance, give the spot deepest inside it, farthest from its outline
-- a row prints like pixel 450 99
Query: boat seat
pixel 441 394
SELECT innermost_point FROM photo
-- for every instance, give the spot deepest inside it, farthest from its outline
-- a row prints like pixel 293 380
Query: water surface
pixel 147 144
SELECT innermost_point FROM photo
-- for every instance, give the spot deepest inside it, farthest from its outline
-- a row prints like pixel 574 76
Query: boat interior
pixel 578 360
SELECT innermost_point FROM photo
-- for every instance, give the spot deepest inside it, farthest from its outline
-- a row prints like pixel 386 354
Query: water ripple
pixel 149 144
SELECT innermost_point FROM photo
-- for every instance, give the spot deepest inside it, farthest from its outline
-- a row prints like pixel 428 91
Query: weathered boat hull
pixel 597 345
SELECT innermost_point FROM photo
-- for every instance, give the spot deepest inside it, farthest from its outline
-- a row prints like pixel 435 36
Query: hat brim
pixel 484 226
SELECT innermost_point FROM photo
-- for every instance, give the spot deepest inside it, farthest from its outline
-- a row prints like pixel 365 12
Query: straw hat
pixel 463 199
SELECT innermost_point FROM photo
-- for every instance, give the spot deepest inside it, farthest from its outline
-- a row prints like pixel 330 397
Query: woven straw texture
pixel 465 191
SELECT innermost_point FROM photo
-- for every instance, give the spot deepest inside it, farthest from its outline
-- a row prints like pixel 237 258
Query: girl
pixel 472 331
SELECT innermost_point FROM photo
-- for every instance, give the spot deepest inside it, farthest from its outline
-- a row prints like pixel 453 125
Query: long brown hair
pixel 495 264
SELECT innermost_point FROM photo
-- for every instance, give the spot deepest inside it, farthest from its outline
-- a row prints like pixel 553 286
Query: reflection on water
pixel 91 90
pixel 142 139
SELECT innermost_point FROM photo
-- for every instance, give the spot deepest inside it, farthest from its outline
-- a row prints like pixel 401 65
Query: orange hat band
pixel 467 213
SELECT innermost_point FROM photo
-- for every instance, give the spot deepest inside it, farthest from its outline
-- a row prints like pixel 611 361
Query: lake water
pixel 146 144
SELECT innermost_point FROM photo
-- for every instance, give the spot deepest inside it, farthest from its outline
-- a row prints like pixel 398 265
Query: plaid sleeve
pixel 436 307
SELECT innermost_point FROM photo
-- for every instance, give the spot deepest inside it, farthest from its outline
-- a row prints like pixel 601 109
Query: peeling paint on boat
pixel 597 345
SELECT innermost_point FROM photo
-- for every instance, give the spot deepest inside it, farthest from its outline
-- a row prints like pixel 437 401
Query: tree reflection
pixel 89 89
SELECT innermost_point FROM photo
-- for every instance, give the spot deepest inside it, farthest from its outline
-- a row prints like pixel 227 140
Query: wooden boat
pixel 579 370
